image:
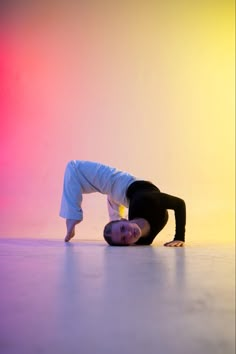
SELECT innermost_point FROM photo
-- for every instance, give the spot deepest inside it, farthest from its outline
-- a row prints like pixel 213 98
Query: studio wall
pixel 144 86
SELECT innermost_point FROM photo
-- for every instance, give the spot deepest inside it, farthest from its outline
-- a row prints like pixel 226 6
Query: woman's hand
pixel 174 243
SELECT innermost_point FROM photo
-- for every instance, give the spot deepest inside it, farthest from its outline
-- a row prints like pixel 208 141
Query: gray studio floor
pixel 87 297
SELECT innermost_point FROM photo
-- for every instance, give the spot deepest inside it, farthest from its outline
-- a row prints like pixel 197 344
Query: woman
pixel 147 205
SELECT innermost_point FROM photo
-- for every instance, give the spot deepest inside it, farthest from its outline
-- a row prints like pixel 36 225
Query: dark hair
pixel 107 232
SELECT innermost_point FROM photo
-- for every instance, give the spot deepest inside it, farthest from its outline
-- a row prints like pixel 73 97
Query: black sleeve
pixel 178 205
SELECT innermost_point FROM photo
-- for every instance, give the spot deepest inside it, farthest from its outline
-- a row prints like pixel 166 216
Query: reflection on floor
pixel 87 297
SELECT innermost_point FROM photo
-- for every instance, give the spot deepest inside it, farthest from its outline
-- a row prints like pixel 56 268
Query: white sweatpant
pixel 82 177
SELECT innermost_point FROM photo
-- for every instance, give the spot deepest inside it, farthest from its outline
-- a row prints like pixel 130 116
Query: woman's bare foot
pixel 70 226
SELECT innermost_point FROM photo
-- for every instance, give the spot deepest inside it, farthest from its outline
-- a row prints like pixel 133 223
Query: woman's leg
pixel 71 200
pixel 72 194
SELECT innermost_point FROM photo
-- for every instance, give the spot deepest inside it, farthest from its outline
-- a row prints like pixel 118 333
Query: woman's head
pixel 121 232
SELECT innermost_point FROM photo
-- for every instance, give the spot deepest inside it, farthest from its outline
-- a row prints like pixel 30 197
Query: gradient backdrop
pixel 146 86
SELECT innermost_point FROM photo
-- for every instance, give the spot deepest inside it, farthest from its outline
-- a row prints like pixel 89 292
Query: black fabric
pixel 148 202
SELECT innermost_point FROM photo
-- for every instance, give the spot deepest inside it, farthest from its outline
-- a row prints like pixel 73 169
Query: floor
pixel 87 297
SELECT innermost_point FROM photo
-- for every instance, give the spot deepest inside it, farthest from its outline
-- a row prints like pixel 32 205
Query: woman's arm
pixel 178 205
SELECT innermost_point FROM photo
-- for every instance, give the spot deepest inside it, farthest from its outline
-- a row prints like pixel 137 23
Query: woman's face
pixel 125 232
